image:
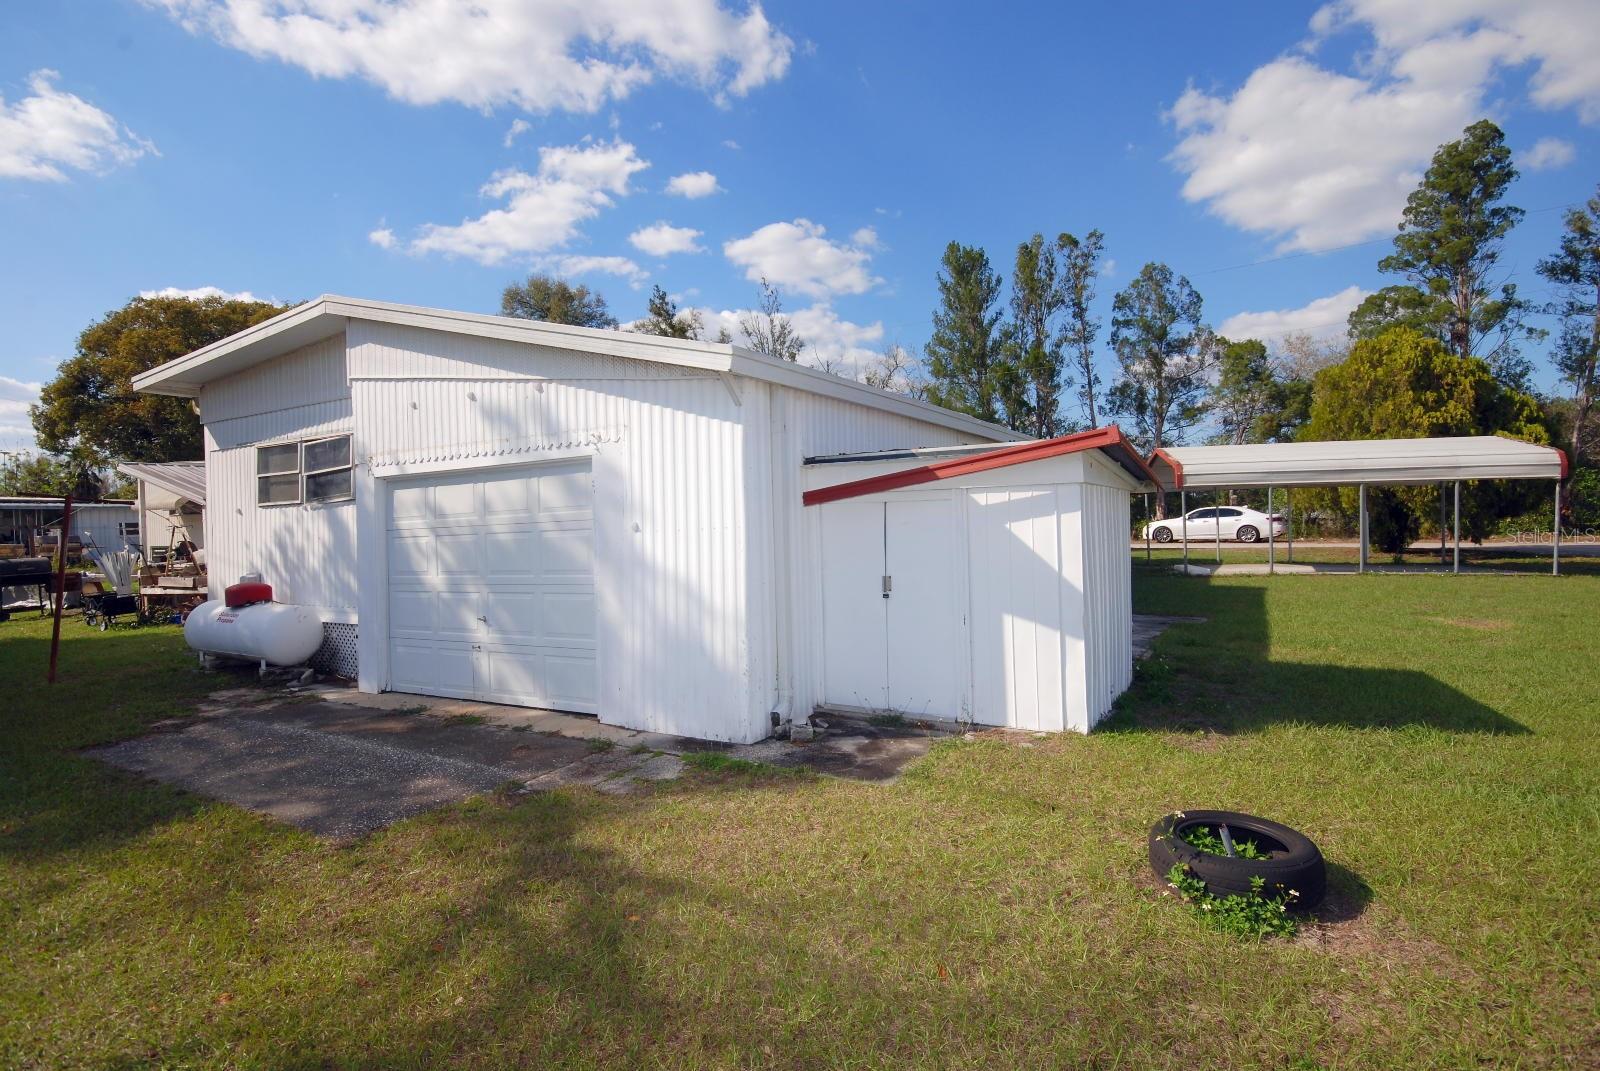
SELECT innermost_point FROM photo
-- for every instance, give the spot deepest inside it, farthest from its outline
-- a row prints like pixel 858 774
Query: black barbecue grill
pixel 36 573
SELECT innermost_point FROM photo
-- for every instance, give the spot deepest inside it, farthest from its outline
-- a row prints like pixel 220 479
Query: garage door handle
pixel 888 585
pixel 484 619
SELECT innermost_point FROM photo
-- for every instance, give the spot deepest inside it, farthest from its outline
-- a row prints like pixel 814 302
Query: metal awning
pixel 186 479
pixel 1354 462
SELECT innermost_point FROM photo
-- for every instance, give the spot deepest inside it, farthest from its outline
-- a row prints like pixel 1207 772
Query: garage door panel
pixel 571 681
pixel 569 615
pixel 566 495
pixel 511 555
pixel 459 554
pixel 432 668
pixel 568 554
pixel 455 502
pixel 513 499
pixel 410 555
pixel 487 599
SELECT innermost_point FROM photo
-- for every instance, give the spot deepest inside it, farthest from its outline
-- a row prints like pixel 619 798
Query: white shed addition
pixel 616 524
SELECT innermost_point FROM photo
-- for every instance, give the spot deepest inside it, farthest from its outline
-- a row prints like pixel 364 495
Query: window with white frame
pixel 315 470
pixel 327 468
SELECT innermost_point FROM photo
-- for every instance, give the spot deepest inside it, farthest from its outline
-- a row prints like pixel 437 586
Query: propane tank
pixel 271 632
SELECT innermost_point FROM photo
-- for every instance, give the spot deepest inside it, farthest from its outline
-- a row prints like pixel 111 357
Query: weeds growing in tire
pixel 1250 915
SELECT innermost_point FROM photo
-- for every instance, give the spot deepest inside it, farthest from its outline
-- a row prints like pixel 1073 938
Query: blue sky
pixel 405 151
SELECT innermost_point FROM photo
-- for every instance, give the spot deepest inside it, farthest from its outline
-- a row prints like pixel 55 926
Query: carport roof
pixel 1348 463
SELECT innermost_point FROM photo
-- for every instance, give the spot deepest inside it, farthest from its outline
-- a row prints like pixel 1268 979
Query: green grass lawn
pixel 1437 736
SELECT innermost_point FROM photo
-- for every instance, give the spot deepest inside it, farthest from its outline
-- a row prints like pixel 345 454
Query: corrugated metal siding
pixel 306 552
pixel 672 542
pixel 1018 587
pixel 314 373
pixel 1108 596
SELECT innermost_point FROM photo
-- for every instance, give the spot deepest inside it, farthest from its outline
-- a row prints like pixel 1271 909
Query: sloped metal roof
pixel 1347 463
pixel 186 479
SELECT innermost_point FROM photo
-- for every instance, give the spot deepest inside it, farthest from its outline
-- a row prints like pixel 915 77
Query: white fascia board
pixel 328 314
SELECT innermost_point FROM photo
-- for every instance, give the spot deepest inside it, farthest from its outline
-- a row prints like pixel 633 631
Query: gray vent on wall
pixel 337 655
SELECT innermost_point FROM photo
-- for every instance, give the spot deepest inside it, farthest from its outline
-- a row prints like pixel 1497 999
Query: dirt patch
pixel 1479 624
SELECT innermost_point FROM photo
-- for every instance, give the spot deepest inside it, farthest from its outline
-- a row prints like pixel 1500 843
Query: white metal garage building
pixel 606 522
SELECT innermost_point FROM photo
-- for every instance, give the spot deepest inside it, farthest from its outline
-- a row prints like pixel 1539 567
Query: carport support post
pixel 1288 518
pixel 1146 527
pixel 1272 545
pixel 1183 511
pixel 1441 526
pixel 1361 562
pixel 1455 530
pixel 1217 520
pixel 1555 547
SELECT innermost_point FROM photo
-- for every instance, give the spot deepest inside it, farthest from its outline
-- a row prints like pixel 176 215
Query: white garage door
pixel 491 587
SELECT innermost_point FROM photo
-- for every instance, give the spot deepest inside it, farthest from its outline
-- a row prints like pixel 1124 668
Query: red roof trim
pixel 1177 469
pixel 1109 437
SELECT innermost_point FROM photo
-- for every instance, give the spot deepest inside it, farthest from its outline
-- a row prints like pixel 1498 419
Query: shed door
pixel 891 615
pixel 491 587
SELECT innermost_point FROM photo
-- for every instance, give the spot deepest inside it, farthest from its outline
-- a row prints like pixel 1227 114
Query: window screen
pixel 328 474
pixel 278 474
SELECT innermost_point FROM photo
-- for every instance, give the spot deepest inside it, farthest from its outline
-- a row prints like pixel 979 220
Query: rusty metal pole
pixel 61 584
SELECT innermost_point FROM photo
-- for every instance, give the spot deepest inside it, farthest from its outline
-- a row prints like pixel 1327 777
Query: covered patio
pixel 1358 463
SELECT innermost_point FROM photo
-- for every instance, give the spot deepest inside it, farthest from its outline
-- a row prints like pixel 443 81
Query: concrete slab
pixel 1146 627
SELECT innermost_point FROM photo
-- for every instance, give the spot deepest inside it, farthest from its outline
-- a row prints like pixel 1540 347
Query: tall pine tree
pixel 1575 271
pixel 1080 267
pixel 968 368
pixel 1037 300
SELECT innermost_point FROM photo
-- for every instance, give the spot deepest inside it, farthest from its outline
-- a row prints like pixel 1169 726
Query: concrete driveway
pixel 341 764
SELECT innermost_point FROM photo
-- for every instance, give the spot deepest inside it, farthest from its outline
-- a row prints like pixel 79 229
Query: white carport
pixel 1359 463
pixel 171 501
pixel 986 584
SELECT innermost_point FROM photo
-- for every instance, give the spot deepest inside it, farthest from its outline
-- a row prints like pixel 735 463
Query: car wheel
pixel 1162 535
pixel 1292 864
pixel 1248 533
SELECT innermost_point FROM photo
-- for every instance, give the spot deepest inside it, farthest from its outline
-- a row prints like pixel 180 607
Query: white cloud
pixel 542 210
pixel 729 143
pixel 797 256
pixel 846 347
pixel 575 264
pixel 693 184
pixel 50 131
pixel 1320 158
pixel 538 55
pixel 16 430
pixel 1324 318
pixel 518 128
pixel 383 238
pixel 663 239
pixel 865 237
pixel 199 292
pixel 1547 154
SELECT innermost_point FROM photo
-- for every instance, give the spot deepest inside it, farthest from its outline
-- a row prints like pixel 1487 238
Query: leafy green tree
pixel 769 330
pixel 1575 271
pixel 663 317
pixel 1080 268
pixel 1405 385
pixel 90 412
pixel 1037 300
pixel 45 474
pixel 1448 245
pixel 969 370
pixel 553 300
pixel 1245 390
pixel 1400 306
pixel 1165 354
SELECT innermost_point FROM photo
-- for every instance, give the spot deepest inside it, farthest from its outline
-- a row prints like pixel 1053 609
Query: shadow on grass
pixel 1220 677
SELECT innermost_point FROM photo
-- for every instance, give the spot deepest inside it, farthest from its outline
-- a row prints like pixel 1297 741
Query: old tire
pixel 1293 863
pixel 1248 533
pixel 1162 535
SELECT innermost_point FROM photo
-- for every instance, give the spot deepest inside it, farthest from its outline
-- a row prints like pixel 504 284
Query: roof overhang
pixel 1351 462
pixel 1108 440
pixel 329 315
pixel 185 479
